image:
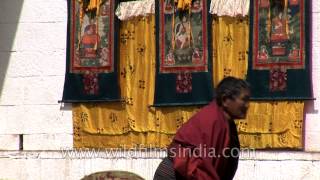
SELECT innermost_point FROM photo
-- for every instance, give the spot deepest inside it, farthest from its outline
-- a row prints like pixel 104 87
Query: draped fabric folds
pixel 230 8
pixel 134 123
pixel 268 124
pixel 131 9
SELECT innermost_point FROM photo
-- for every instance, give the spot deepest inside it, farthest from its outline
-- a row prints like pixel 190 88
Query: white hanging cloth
pixel 130 9
pixel 230 7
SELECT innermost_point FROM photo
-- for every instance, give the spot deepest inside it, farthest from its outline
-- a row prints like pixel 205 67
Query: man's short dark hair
pixel 230 87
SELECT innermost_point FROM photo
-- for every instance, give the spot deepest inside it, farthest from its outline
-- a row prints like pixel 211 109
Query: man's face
pixel 237 106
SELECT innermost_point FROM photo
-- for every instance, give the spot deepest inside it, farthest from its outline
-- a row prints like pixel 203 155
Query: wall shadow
pixel 10 11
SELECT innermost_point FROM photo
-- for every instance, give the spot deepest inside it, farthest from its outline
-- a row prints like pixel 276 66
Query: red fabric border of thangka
pixel 293 65
pixel 111 40
pixel 204 43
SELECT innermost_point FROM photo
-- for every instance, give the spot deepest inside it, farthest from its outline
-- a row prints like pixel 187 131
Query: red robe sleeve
pixel 198 145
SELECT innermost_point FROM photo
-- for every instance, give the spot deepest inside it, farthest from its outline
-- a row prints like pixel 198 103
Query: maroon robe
pixel 207 136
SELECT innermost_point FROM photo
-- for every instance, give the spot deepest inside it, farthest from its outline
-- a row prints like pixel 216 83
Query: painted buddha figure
pixel 278 33
pixel 170 58
pixel 294 53
pixel 182 34
pixel 263 54
pixel 89 41
pixel 278 22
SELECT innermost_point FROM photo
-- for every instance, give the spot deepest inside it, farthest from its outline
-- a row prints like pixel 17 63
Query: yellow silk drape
pixel 134 122
pixel 276 124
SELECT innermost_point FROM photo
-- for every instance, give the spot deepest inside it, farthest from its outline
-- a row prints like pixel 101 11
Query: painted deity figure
pixel 90 41
pixel 182 34
pixel 279 33
pixel 294 52
pixel 278 22
pixel 263 54
pixel 196 56
pixel 170 58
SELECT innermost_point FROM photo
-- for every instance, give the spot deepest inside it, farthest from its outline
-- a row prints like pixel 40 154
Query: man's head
pixel 233 95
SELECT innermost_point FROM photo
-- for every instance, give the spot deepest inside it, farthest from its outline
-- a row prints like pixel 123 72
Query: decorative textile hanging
pixel 183 75
pixel 230 7
pixel 91 73
pixel 267 125
pixel 131 9
pixel 279 64
pixel 133 123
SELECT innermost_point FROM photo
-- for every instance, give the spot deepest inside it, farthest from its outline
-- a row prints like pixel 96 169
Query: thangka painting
pixel 183 53
pixel 91 73
pixel 279 62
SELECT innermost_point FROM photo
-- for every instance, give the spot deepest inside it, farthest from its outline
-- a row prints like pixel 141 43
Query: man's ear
pixel 225 101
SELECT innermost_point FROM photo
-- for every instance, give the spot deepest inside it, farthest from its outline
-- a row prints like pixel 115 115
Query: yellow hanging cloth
pixel 183 4
pixel 94 4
